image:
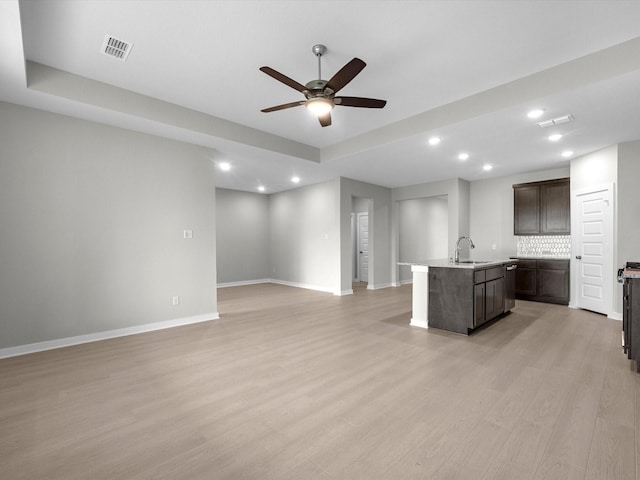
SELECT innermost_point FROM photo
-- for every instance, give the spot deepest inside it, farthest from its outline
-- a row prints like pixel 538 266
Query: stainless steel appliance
pixel 510 286
pixel 630 278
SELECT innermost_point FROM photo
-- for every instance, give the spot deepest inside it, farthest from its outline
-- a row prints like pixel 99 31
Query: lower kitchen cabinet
pixel 543 280
pixel 494 302
pixel 526 278
pixel 488 295
pixel 462 299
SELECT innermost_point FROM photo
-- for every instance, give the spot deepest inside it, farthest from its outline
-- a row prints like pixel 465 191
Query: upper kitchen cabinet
pixel 542 208
pixel 526 209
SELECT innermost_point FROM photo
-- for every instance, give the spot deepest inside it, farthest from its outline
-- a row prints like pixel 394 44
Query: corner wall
pixel 242 236
pixel 92 229
pixel 305 236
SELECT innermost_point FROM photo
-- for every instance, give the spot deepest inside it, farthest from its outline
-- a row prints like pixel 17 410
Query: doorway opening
pixel 361 260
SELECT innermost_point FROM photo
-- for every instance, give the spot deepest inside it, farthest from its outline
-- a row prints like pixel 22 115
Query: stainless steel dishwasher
pixel 510 286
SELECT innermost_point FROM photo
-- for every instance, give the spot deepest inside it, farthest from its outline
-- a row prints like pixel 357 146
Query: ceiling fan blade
pixel 283 78
pixel 325 120
pixel 283 106
pixel 359 102
pixel 345 74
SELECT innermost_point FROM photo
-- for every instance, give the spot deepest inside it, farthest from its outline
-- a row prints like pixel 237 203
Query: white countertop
pixel 469 264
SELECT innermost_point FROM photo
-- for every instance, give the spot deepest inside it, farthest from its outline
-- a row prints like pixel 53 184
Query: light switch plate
pixel 188 234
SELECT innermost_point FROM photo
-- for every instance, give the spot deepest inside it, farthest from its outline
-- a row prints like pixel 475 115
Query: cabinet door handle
pixel 578 257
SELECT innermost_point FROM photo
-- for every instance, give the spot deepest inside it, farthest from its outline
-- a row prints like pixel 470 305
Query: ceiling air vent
pixel 116 48
pixel 555 121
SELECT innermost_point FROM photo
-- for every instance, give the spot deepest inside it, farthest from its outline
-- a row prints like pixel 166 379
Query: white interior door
pixel 363 247
pixel 594 253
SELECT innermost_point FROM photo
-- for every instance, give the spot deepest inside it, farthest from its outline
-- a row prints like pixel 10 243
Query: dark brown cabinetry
pixel 489 294
pixel 543 280
pixel 494 300
pixel 462 299
pixel 542 208
pixel 555 209
pixel 526 210
pixel 526 278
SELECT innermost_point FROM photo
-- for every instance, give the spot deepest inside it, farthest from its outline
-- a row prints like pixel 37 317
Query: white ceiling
pixel 467 71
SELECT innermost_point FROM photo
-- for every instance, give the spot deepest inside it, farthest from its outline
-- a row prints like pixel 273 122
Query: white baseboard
pixel 96 337
pixel 301 285
pixel 612 315
pixel 378 287
pixel 286 283
pixel 344 292
pixel 244 282
pixel 419 323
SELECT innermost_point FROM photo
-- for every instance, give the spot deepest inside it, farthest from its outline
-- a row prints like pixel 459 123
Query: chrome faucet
pixel 456 255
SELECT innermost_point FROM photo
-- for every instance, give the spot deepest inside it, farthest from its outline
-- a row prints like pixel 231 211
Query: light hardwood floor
pixel 297 384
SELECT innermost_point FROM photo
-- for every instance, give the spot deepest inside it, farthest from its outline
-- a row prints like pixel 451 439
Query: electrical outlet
pixel 176 300
pixel 493 246
pixel 188 234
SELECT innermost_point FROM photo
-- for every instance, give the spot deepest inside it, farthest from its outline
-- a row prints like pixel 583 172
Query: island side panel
pixel 451 299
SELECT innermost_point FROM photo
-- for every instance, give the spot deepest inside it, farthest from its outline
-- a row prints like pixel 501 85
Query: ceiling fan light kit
pixel 319 105
pixel 320 94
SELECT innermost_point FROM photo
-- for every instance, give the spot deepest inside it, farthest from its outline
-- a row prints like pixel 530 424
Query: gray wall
pixel 92 228
pixel 491 212
pixel 423 225
pixel 629 204
pixel 305 236
pixel 242 236
pixel 379 233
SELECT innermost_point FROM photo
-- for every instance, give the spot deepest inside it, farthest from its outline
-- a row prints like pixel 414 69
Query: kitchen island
pixel 461 296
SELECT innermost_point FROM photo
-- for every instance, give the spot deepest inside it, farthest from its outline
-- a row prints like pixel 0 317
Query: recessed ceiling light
pixel 261 188
pixel 487 167
pixel 295 179
pixel 434 140
pixel 224 166
pixel 567 153
pixel 555 137
pixel 463 156
pixel 536 113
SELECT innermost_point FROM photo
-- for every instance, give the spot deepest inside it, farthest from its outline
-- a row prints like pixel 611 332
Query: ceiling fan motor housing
pixel 317 87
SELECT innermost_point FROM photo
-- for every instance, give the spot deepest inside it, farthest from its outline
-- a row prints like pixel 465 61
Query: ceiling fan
pixel 320 94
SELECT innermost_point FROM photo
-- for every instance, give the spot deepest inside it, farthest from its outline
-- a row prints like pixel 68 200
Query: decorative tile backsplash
pixel 544 246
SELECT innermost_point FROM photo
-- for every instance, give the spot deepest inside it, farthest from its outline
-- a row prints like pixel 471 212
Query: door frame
pixel 609 249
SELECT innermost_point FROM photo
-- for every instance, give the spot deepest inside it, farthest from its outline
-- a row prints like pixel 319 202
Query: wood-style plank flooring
pixel 297 384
